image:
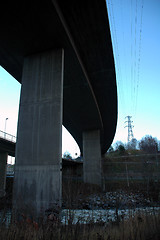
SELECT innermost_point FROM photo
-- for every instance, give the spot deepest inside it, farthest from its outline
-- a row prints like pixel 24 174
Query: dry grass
pixel 139 227
pixel 73 191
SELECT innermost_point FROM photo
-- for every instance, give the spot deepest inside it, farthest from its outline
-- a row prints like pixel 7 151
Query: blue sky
pixel 136 37
pixel 136 42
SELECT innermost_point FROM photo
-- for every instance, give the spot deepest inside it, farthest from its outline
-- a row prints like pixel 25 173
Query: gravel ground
pixel 110 200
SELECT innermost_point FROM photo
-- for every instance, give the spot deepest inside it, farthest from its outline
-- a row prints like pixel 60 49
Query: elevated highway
pixel 81 28
pixel 7 147
pixel 7 143
pixel 61 53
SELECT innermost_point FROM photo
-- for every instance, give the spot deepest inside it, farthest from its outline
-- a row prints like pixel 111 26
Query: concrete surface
pixel 92 157
pixel 37 184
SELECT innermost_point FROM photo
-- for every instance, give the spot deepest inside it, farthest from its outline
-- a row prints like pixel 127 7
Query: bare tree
pixel 133 144
pixel 67 155
pixel 117 144
pixel 148 144
pixel 111 149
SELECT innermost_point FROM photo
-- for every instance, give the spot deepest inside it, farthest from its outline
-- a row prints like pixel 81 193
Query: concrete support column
pixel 37 184
pixel 92 157
pixel 3 167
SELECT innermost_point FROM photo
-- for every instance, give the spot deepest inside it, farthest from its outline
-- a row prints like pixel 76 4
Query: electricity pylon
pixel 130 126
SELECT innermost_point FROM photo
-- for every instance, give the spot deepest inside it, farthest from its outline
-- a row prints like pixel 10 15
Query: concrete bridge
pixel 61 53
pixel 7 147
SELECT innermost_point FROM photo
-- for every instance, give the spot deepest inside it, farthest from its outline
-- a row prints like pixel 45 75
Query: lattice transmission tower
pixel 129 126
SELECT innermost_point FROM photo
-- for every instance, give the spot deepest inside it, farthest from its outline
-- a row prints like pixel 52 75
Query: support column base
pixel 38 191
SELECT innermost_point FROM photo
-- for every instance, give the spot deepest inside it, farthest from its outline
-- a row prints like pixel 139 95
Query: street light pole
pixel 5 127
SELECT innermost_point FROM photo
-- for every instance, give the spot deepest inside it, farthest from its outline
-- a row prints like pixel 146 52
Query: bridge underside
pixel 7 146
pixel 81 28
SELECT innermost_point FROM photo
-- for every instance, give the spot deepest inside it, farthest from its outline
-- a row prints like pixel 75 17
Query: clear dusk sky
pixel 135 31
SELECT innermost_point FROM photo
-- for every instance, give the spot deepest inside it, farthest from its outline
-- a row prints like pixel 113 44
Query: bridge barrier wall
pixel 117 169
pixel 7 136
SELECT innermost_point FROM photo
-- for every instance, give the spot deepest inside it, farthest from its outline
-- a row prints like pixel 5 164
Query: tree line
pixel 147 144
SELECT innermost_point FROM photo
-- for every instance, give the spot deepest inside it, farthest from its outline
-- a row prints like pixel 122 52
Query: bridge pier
pixel 3 166
pixel 37 183
pixel 92 157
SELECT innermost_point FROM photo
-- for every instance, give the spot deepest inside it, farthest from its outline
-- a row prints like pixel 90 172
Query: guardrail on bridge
pixel 7 136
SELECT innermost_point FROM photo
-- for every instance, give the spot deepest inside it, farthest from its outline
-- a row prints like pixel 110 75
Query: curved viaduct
pixel 70 42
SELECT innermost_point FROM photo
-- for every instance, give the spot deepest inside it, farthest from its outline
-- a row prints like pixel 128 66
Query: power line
pixel 135 56
pixel 110 9
pixel 139 55
pixel 132 83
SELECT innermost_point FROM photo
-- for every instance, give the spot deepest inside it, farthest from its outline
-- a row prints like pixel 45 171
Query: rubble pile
pixel 110 200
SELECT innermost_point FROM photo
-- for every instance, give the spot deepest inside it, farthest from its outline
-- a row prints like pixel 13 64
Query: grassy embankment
pixel 140 227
